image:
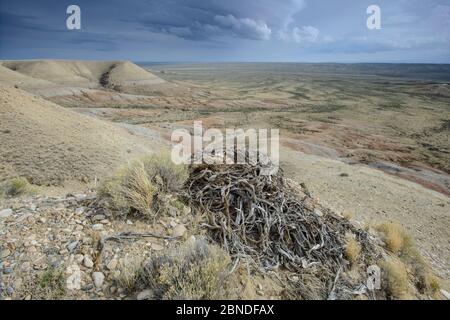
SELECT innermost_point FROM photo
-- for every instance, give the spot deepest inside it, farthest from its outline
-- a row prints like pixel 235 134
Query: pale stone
pixel 178 231
pixel 98 279
pixel 87 261
pixel 73 281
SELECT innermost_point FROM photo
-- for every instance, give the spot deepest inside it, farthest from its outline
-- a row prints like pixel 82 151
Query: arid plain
pixel 369 141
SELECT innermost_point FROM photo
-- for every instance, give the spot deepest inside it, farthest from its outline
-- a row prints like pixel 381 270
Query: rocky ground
pixel 50 247
pixel 73 247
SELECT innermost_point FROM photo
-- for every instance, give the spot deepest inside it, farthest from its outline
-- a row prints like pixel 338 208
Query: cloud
pixel 299 35
pixel 231 29
pixel 245 28
pixel 296 6
pixel 208 20
pixel 217 26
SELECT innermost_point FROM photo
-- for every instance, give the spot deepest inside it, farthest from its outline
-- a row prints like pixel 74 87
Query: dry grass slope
pixel 399 242
pixel 47 144
pixel 79 73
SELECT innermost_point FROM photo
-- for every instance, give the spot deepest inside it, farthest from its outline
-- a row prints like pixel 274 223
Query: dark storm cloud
pixel 202 20
pixel 196 30
pixel 23 22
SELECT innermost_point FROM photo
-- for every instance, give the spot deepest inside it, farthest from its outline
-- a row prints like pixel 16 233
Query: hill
pixel 49 144
pixel 79 73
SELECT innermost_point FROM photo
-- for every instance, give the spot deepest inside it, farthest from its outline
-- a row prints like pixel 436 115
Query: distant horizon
pixel 224 61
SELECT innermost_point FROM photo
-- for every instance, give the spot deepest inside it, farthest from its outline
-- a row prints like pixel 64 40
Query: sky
pixel 412 31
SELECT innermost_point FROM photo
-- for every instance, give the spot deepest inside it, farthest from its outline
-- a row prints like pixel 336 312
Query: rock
pixel 18 283
pixel 178 231
pixel 73 281
pixel 88 287
pixel 98 279
pixel 157 247
pixel 446 294
pixel 129 222
pixel 26 266
pixel 5 213
pixel 87 240
pixel 33 207
pixel 87 261
pixel 79 210
pixel 72 246
pixel 112 264
pixel 55 263
pixel 80 197
pixel 97 226
pixel 79 258
pixel 98 217
pixel 173 224
pixel 5 253
pixel 7 270
pixel 145 295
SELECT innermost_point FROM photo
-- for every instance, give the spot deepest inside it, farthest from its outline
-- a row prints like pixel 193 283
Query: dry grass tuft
pixel 393 236
pixel 129 272
pixel 352 250
pixel 400 242
pixel 135 189
pixel 194 270
pixel 396 279
pixel 347 215
pixel 16 187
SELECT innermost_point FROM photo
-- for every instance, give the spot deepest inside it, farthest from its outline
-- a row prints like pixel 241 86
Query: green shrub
pixel 50 285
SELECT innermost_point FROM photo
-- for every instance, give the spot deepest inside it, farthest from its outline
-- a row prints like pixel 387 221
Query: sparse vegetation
pixel 136 188
pixel 246 215
pixel 352 250
pixel 395 279
pixel 393 236
pixel 16 187
pixel 400 242
pixel 129 272
pixel 50 286
pixel 194 270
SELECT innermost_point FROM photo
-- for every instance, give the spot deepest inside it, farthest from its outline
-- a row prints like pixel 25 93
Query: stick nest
pixel 265 218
